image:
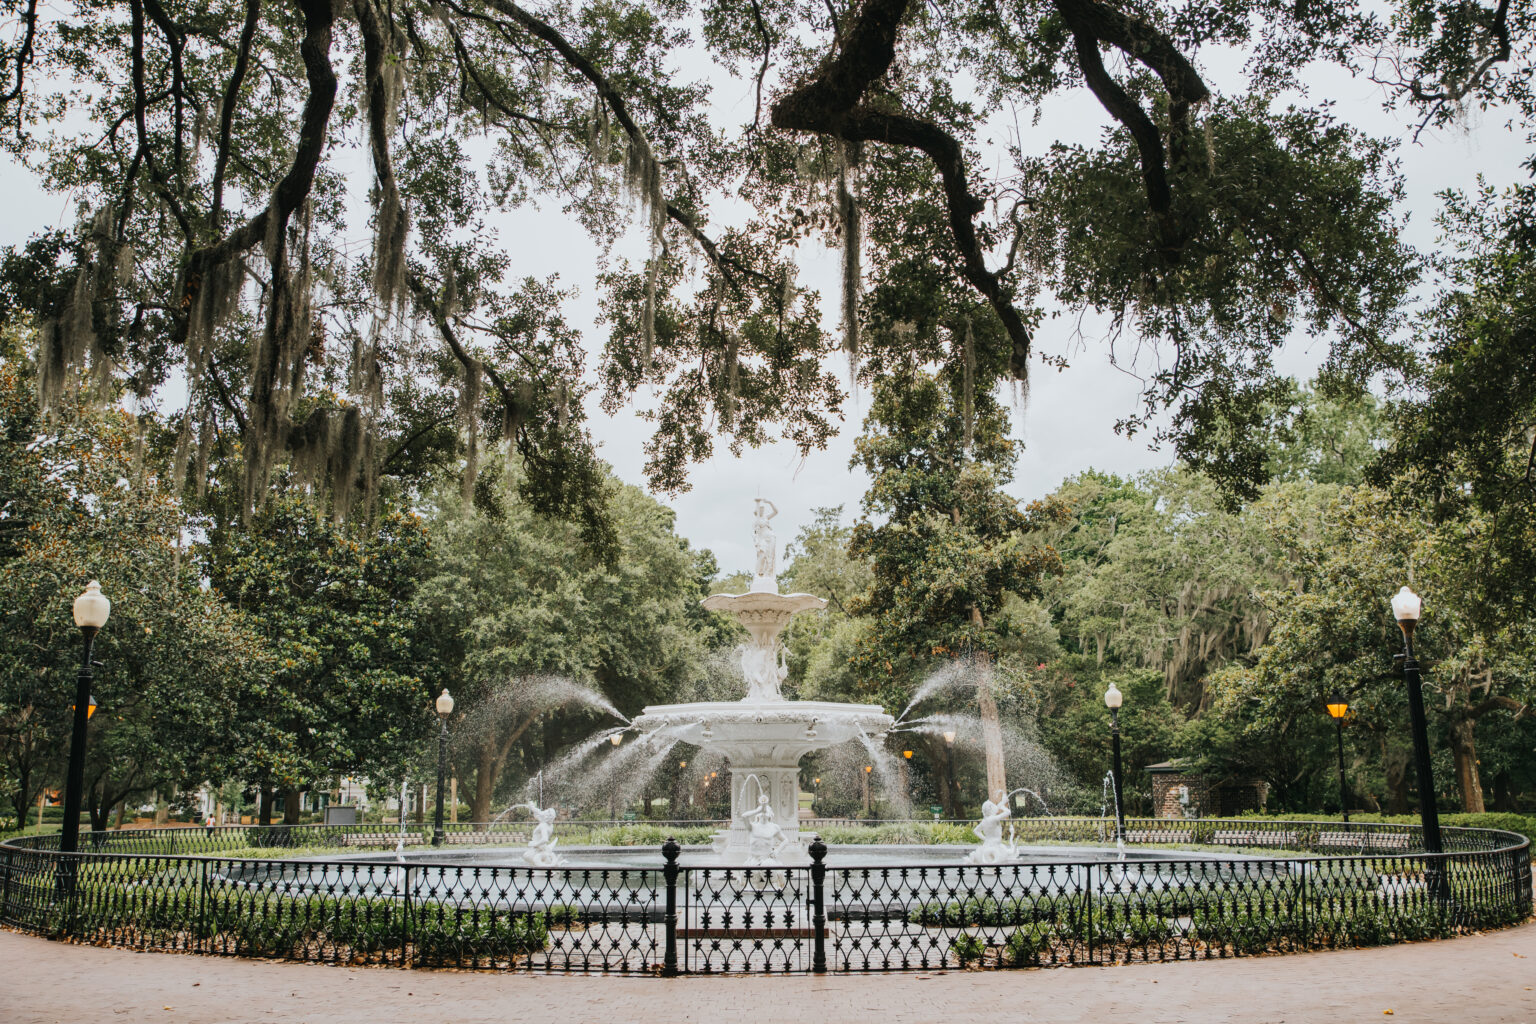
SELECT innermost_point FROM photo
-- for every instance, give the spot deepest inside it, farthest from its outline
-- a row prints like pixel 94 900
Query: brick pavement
pixel 1481 979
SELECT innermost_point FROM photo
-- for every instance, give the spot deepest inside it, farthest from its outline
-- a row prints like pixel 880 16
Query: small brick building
pixel 1179 791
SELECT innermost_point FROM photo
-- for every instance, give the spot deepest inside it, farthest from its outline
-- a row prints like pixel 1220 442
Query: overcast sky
pixel 1067 423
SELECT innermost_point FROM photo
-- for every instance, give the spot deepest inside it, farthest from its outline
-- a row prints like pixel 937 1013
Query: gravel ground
pixel 1469 980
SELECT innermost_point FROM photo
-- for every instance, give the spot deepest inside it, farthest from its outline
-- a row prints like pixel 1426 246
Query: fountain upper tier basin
pixel 778 731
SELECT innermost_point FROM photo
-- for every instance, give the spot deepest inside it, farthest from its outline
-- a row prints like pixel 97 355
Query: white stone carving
pixel 541 845
pixel 763 736
pixel 993 850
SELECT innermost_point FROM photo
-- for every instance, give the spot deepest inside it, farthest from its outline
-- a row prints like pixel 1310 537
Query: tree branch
pixel 227 108
pixel 828 104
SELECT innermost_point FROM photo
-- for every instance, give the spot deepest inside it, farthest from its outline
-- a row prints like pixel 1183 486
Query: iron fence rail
pixel 1275 886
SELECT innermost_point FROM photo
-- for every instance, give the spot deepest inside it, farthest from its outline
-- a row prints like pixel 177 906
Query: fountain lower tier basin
pixel 767 731
pixel 763 741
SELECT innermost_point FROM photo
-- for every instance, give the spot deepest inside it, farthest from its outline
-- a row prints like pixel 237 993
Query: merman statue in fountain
pixel 764 836
pixel 541 845
pixel 993 850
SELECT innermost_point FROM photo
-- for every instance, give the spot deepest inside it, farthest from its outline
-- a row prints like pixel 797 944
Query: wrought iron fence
pixel 1274 886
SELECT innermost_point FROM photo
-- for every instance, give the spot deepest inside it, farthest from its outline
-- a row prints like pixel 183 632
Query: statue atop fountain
pixel 763 735
pixel 765 578
pixel 541 845
pixel 993 850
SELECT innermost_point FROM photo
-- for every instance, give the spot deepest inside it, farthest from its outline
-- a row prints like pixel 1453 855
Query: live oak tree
pixel 81 498
pixel 206 142
pixel 947 547
pixel 343 693
pixel 1344 552
pixel 514 607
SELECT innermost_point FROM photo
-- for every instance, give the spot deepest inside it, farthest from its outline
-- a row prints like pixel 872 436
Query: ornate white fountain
pixel 763 736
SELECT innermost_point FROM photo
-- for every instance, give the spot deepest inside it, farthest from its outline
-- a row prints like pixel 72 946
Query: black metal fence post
pixel 5 894
pixel 201 938
pixel 670 851
pixel 1088 907
pixel 405 915
pixel 818 905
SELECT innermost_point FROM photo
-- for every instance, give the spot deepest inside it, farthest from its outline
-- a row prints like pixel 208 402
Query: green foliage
pixel 946 545
pixel 80 499
pixel 332 603
pixel 510 601
pixel 968 949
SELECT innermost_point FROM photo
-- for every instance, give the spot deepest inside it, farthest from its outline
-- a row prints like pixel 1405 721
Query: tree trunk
pixel 264 813
pixel 1503 793
pixel 421 803
pixel 290 806
pixel 122 812
pixel 1396 765
pixel 991 724
pixel 98 808
pixel 944 784
pixel 1464 750
pixel 485 784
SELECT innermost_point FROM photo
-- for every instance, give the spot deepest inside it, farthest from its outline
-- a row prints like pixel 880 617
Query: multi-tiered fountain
pixel 763 736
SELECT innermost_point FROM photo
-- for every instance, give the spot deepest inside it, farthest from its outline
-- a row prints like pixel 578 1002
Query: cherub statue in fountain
pixel 993 850
pixel 764 836
pixel 541 845
pixel 763 540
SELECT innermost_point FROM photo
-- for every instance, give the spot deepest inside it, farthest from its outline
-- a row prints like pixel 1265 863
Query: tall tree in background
pixel 81 499
pixel 332 603
pixel 947 547
pixel 522 623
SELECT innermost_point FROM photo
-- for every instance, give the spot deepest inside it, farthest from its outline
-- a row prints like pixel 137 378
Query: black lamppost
pixel 444 709
pixel 1338 708
pixel 1113 698
pixel 91 611
pixel 1406 606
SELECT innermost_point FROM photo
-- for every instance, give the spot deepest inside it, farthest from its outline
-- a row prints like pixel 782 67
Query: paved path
pixel 1471 980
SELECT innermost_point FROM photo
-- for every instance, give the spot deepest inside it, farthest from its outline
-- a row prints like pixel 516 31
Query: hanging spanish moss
pixel 599 135
pixel 642 180
pixel 968 382
pixel 732 378
pixel 850 222
pixel 1210 146
pixel 69 340
pixel 205 433
pixel 348 449
pixel 383 83
pixel 469 417
pixel 218 297
pixel 182 453
pixel 282 348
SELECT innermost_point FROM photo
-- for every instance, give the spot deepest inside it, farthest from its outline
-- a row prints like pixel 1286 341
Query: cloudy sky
pixel 1067 424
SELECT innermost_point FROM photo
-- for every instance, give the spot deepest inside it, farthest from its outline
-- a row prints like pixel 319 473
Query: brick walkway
pixel 1472 980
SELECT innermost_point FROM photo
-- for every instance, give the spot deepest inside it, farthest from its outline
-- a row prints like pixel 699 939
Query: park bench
pixel 1252 837
pixel 1365 840
pixel 380 839
pixel 1160 835
pixel 483 838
